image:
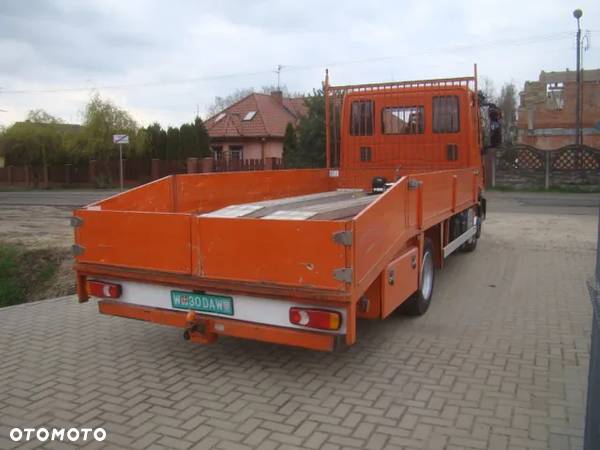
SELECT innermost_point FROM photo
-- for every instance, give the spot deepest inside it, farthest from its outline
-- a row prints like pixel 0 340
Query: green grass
pixel 23 272
pixel 12 290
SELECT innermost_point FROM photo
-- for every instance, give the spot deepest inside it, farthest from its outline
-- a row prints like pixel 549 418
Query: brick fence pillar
pixel 155 169
pixel 192 165
pixel 207 164
pixel 45 179
pixel 11 175
pixel 27 175
pixel 269 163
pixel 68 173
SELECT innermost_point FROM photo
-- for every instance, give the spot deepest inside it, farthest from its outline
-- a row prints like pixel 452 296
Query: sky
pixel 164 61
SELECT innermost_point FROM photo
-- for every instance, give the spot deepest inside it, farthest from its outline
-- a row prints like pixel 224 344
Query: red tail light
pixel 316 318
pixel 103 290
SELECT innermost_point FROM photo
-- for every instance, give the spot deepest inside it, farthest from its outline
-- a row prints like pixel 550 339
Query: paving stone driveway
pixel 499 361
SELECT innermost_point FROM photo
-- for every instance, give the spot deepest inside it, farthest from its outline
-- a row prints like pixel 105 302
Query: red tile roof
pixel 271 118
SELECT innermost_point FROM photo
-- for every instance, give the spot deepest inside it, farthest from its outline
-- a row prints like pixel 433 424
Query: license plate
pixel 218 304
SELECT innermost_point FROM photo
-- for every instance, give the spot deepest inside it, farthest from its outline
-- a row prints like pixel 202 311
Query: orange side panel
pixel 265 333
pixel 139 240
pixel 444 193
pixel 156 196
pixel 290 252
pixel 207 192
pixel 380 231
pixel 400 280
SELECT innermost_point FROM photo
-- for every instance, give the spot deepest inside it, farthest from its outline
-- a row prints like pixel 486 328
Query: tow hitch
pixel 197 330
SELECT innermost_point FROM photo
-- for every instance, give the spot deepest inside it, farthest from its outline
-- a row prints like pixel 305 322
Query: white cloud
pixel 48 45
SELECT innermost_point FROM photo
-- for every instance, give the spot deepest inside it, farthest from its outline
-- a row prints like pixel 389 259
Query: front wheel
pixel 418 304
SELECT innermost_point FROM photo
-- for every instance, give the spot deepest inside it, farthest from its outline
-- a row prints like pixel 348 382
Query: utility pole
pixel 579 98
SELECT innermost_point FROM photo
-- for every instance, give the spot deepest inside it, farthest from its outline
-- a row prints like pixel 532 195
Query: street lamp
pixel 577 14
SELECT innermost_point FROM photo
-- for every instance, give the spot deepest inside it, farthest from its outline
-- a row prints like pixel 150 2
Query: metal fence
pixel 592 420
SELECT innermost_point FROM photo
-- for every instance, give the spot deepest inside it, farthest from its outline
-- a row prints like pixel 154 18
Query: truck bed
pixel 275 230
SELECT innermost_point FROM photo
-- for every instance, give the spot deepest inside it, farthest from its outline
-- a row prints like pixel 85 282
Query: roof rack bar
pixel 416 83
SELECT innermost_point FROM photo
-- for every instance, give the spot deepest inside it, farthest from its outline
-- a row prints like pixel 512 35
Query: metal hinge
pixel 76 221
pixel 343 238
pixel 77 249
pixel 414 184
pixel 344 274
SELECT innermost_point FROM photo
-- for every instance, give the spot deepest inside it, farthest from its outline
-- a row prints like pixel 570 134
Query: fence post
pixel 547 168
pixel 192 165
pixel 92 170
pixel 208 165
pixel 68 173
pixel 27 175
pixel 11 175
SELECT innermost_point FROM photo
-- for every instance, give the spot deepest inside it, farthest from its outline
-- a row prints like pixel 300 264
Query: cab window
pixel 361 118
pixel 402 120
pixel 446 114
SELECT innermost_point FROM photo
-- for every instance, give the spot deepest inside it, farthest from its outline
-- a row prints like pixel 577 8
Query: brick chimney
pixel 277 95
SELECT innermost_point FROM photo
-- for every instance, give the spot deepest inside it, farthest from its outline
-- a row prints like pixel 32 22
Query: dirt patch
pixel 36 226
pixel 35 246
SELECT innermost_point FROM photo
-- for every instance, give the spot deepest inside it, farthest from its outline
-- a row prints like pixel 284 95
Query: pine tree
pixel 290 147
pixel 203 138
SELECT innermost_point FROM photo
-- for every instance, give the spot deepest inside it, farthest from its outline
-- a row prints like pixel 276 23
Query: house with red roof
pixel 253 127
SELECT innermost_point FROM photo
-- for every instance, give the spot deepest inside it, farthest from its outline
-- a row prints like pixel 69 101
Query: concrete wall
pixel 523 167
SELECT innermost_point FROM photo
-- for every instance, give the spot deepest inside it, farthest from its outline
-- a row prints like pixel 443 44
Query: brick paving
pixel 499 361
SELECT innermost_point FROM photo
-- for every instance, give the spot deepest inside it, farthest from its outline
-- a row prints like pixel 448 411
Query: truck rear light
pixel 316 318
pixel 103 290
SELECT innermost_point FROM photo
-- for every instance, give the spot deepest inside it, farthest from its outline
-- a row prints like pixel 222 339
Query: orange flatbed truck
pixel 403 189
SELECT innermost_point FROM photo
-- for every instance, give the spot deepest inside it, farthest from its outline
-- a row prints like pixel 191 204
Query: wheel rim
pixel 427 276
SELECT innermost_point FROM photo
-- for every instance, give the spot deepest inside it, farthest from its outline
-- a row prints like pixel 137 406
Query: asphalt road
pixel 53 197
pixel 499 361
pixel 502 200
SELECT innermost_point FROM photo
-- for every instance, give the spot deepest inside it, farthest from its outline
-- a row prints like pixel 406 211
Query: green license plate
pixel 219 304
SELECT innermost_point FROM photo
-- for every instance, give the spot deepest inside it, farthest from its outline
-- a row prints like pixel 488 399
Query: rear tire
pixel 419 302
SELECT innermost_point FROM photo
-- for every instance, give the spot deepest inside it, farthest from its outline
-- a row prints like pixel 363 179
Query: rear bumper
pixel 226 327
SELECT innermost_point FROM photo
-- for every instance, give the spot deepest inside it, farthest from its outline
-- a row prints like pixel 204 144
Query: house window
pixel 555 92
pixel 217 151
pixel 446 114
pixel 249 116
pixel 402 120
pixel 236 152
pixel 361 118
pixel 365 154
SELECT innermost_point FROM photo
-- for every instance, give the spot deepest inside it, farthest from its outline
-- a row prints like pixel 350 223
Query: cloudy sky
pixel 164 60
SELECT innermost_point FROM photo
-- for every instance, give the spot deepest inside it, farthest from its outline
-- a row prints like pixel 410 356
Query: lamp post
pixel 577 14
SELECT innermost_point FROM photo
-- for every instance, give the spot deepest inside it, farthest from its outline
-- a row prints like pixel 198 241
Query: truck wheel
pixel 418 304
pixel 471 244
